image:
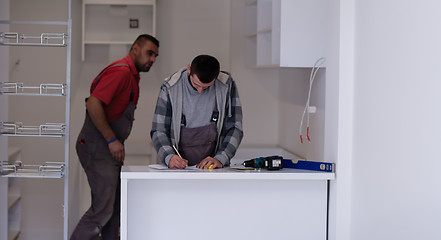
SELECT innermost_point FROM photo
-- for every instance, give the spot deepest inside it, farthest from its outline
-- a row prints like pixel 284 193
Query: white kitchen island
pixel 223 204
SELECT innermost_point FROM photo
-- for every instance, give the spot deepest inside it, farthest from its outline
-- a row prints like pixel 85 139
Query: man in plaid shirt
pixel 198 117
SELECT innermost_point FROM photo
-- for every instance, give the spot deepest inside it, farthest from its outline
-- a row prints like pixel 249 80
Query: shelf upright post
pixel 67 120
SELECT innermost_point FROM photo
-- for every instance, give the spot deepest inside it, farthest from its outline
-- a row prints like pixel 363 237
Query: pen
pixel 177 151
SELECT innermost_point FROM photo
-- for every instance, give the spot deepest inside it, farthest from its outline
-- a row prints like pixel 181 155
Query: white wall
pixel 339 114
pixel 397 120
pixel 258 88
pixel 381 122
pixel 293 94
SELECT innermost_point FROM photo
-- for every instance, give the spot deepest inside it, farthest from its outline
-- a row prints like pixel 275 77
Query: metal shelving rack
pixel 46 89
pixel 49 169
pixel 43 130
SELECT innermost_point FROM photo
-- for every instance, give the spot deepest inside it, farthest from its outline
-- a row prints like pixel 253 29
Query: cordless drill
pixel 270 162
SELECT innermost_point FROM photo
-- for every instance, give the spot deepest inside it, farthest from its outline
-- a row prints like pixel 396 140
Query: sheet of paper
pixel 165 167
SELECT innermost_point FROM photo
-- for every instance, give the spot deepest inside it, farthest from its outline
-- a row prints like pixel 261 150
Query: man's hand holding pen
pixel 177 162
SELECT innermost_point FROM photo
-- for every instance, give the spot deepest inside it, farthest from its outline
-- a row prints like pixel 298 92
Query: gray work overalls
pixel 103 174
pixel 200 142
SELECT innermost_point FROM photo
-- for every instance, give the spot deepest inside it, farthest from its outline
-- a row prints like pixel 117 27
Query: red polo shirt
pixel 115 86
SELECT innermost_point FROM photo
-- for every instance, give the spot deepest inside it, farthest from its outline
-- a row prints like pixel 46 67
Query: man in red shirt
pixel 110 109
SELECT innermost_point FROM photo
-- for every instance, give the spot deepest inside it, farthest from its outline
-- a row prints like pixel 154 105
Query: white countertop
pixel 145 172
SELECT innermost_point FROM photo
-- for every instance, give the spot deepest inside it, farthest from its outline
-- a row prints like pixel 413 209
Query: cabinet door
pixel 302 32
pixel 285 33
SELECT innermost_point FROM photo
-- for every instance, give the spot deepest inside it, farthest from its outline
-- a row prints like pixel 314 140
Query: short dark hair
pixel 206 67
pixel 141 39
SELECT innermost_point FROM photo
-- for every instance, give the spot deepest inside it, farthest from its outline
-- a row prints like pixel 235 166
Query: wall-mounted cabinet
pixel 116 22
pixel 285 33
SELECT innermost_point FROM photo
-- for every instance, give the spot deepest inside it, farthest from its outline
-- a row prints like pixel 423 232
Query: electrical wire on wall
pixel 306 111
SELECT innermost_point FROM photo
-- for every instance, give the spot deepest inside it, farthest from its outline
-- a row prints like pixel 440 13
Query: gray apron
pixel 122 126
pixel 103 174
pixel 198 143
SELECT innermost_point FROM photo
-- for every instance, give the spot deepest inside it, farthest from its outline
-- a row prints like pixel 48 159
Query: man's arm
pixel 161 128
pixel 96 113
pixel 232 132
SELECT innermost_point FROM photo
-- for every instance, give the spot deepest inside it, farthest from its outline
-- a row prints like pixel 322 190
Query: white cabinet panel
pixel 223 204
pixel 285 33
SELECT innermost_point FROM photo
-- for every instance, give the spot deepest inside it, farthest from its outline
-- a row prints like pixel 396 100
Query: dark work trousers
pixel 102 220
